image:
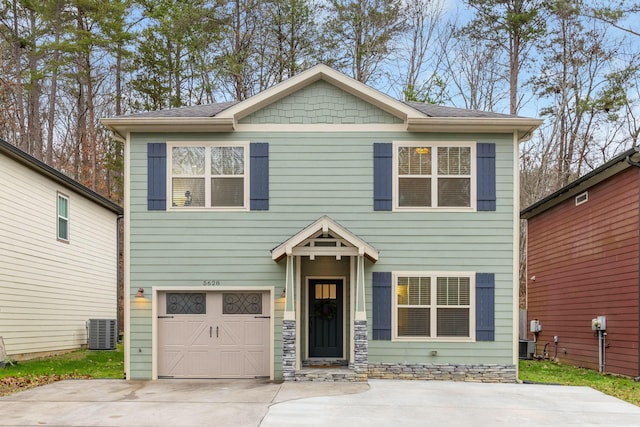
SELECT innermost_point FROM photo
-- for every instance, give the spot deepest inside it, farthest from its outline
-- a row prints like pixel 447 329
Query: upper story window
pixel 211 175
pixel 63 217
pixel 434 306
pixel 434 175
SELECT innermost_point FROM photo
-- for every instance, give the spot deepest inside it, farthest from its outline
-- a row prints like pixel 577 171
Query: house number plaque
pixel 211 282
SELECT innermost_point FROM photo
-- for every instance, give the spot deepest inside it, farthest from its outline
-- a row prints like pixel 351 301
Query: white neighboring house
pixel 58 257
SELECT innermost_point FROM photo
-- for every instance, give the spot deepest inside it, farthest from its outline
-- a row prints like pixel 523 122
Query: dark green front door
pixel 325 318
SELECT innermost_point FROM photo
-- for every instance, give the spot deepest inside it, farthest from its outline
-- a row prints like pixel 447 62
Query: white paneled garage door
pixel 222 334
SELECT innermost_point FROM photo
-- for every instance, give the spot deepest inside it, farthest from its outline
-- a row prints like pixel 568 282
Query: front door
pixel 325 318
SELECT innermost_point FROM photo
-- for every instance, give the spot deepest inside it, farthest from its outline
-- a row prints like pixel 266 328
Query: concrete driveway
pixel 258 403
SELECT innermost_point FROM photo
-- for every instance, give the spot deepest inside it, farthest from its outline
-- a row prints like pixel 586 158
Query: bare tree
pixel 359 35
pixel 237 60
pixel 585 93
pixel 513 26
pixel 420 58
pixel 474 73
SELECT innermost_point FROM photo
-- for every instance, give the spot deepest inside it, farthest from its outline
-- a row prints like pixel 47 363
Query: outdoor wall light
pixel 284 293
pixel 140 293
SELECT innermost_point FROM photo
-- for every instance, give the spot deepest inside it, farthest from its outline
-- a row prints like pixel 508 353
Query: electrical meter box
pixel 599 323
pixel 535 326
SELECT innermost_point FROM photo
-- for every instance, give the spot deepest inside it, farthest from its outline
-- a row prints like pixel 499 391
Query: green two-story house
pixel 321 224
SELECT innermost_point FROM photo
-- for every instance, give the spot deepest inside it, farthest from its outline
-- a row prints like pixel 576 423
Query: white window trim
pixel 434 189
pixel 67 218
pixel 246 201
pixel 433 275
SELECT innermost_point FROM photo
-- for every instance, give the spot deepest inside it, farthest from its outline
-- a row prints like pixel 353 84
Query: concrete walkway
pixel 250 403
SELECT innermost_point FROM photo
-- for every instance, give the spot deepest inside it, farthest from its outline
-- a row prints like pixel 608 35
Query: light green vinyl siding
pixel 320 102
pixel 311 175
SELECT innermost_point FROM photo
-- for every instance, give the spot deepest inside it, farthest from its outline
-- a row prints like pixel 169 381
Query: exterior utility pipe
pixel 602 351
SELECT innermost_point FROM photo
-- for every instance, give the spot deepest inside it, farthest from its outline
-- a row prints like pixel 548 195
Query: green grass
pixel 18 376
pixel 82 363
pixel 544 371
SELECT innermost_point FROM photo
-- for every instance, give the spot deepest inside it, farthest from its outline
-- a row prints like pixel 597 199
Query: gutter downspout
pixel 119 275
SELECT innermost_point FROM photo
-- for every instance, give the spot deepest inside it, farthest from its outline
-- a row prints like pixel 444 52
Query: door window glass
pixel 186 303
pixel 242 303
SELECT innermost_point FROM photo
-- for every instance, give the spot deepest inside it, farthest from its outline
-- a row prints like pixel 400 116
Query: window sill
pixel 432 209
pixel 199 209
pixel 431 340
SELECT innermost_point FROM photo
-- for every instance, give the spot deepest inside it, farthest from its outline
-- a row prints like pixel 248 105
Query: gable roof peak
pixel 312 75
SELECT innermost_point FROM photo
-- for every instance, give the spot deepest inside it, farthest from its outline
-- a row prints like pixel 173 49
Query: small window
pixel 582 198
pixel 433 306
pixel 63 217
pixel 433 175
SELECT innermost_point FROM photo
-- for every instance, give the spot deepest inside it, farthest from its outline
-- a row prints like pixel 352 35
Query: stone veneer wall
pixel 361 349
pixel 361 346
pixel 289 350
pixel 487 373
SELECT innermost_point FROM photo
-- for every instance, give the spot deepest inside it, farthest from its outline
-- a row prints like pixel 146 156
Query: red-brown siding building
pixel 583 262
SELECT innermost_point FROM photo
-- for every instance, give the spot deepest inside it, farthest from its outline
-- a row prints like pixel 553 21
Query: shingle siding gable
pixel 320 103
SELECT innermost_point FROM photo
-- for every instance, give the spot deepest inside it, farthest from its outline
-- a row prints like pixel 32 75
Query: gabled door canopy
pixel 304 242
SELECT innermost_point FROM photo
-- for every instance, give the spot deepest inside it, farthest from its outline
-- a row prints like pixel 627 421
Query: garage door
pixel 213 334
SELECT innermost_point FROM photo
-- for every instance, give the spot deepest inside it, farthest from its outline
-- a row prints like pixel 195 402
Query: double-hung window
pixel 209 175
pixel 63 218
pixel 434 306
pixel 434 175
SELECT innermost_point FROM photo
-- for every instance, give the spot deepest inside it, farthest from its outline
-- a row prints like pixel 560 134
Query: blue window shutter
pixel 259 167
pixel 157 176
pixel 382 305
pixel 485 307
pixel 486 182
pixel 382 176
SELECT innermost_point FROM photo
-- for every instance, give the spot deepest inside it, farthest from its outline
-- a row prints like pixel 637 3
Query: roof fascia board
pixel 604 172
pixel 124 125
pixel 312 75
pixel 47 171
pixel 523 126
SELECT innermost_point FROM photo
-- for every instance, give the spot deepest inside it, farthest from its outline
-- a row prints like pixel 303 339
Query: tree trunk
pixel 34 130
pixel 21 140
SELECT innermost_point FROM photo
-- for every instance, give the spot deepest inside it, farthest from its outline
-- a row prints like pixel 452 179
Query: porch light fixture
pixel 284 293
pixel 140 293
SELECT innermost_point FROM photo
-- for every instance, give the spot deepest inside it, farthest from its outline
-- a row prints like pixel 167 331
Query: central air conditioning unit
pixel 102 334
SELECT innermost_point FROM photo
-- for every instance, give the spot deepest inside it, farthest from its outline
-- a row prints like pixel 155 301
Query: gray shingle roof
pixel 211 110
pixel 442 111
pixel 205 110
